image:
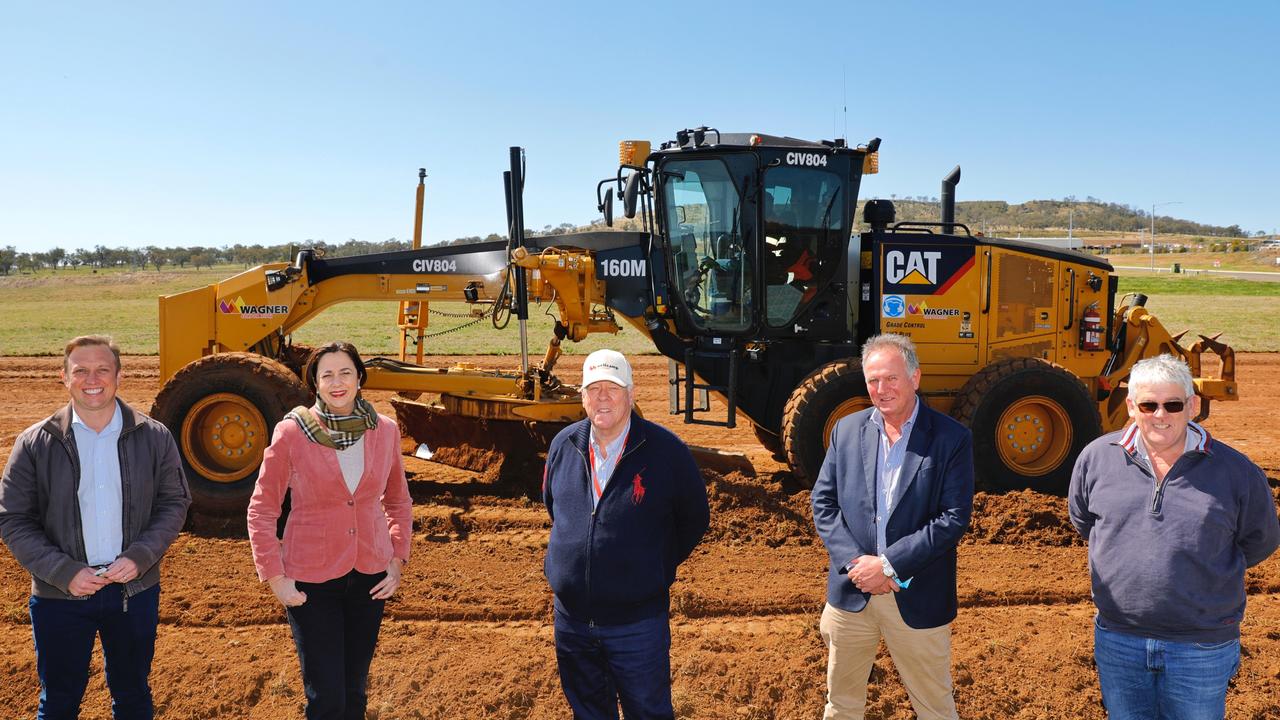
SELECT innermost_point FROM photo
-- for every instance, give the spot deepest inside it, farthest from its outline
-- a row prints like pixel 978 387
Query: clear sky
pixel 217 123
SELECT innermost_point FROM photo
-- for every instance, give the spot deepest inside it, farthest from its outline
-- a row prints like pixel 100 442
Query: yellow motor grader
pixel 747 274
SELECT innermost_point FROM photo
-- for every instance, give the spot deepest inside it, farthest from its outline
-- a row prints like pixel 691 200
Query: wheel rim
pixel 223 437
pixel 848 407
pixel 1034 435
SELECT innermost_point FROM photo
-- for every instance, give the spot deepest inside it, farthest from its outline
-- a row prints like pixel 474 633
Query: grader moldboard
pixel 746 274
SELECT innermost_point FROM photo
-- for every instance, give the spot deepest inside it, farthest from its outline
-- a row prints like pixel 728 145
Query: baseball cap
pixel 608 365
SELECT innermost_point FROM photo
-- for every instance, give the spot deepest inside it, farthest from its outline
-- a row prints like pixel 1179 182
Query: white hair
pixel 1161 370
pixel 891 341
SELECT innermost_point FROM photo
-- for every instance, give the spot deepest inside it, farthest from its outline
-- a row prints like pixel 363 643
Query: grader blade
pixel 502 450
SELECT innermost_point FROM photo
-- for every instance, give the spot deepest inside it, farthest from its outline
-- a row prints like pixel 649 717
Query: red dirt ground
pixel 468 636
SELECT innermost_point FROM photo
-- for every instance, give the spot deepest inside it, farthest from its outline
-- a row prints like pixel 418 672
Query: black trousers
pixel 335 632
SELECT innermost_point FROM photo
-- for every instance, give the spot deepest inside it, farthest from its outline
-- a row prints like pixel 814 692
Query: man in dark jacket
pixel 90 500
pixel 891 502
pixel 1173 518
pixel 627 506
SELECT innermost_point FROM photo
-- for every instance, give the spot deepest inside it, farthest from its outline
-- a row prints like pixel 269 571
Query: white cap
pixel 608 365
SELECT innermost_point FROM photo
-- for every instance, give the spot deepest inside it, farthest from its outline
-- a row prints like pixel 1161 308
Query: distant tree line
pixel 182 257
pixel 993 215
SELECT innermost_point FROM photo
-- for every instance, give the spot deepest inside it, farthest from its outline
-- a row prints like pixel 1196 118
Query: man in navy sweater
pixel 1173 518
pixel 627 506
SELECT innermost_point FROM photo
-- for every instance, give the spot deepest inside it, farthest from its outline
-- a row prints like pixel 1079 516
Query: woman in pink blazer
pixel 347 535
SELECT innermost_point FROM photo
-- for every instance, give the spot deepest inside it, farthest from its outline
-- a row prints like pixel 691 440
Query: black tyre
pixel 770 441
pixel 1030 419
pixel 826 395
pixel 222 410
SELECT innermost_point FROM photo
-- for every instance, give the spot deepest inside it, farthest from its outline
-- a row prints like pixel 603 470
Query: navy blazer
pixel 931 512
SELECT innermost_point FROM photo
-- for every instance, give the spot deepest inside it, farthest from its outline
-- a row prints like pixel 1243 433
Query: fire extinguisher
pixel 1091 328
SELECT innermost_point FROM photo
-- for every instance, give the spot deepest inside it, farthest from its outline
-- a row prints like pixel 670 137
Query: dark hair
pixel 313 361
pixel 87 340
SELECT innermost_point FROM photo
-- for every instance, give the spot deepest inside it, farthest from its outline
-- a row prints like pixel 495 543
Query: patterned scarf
pixel 339 431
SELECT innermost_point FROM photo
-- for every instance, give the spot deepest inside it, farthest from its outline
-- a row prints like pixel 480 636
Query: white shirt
pixel 100 495
pixel 604 463
pixel 351 461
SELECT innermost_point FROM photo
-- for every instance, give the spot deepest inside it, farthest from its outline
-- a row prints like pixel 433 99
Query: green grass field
pixel 40 312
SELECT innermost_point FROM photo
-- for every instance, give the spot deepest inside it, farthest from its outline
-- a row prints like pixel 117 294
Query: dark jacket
pixel 1167 560
pixel 930 513
pixel 40 512
pixel 615 564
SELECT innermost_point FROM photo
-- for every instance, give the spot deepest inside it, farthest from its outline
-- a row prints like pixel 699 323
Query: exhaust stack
pixel 949 199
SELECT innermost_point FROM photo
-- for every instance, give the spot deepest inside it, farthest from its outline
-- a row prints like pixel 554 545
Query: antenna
pixel 845 86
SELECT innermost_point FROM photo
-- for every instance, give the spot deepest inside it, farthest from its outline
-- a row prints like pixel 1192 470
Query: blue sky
pixel 234 122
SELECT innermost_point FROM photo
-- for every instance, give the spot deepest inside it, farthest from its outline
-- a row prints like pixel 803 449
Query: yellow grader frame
pixel 1027 346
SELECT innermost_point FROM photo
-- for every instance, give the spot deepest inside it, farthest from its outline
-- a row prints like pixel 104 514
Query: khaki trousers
pixel 923 659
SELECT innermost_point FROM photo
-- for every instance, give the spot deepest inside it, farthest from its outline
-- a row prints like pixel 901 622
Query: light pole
pixel 1153 228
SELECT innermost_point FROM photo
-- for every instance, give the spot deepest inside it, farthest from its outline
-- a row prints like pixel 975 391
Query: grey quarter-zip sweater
pixel 1167 559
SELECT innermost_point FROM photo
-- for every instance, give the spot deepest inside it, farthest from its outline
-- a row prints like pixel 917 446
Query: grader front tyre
pixel 1030 419
pixel 770 441
pixel 829 393
pixel 221 410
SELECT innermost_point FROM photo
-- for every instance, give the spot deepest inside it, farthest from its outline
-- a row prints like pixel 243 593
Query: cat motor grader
pixel 746 274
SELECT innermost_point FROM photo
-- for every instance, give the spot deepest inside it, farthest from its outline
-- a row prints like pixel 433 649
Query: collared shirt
pixel 100 495
pixel 1133 441
pixel 605 459
pixel 889 461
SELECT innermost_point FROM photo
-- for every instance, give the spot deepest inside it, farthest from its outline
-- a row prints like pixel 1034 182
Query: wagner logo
pixel 244 310
pixel 923 310
pixel 924 269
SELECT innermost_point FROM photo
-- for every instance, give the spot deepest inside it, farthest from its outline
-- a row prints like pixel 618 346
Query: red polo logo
pixel 637 490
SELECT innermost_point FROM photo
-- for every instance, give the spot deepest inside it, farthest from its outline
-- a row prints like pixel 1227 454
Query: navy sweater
pixel 614 564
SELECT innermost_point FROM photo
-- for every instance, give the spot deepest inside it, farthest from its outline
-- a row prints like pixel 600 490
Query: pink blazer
pixel 330 531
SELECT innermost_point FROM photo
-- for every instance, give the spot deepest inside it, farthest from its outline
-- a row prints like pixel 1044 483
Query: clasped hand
pixel 88 581
pixel 867 574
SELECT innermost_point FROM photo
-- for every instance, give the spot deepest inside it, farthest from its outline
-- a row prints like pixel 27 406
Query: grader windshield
pixel 714 263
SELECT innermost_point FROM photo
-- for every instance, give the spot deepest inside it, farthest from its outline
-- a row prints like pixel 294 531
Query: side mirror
pixel 630 194
pixel 606 207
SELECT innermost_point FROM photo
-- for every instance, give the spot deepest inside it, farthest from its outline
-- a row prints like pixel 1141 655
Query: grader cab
pixel 747 273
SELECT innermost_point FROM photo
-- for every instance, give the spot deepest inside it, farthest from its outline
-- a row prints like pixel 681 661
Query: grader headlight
pixel 633 152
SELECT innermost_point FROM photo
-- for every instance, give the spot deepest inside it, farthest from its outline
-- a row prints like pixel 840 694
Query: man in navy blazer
pixel 892 499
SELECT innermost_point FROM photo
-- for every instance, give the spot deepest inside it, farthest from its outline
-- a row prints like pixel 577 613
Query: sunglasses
pixel 1173 406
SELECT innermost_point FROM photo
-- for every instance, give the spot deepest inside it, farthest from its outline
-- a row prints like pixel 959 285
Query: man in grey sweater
pixel 1173 518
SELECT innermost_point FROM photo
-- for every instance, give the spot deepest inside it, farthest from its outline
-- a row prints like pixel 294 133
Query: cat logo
pixel 913 268
pixel 924 269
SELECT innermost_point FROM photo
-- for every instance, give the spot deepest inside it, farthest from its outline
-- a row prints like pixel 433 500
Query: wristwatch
pixel 888 569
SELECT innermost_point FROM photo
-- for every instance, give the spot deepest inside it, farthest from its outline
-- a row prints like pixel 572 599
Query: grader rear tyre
pixel 1030 419
pixel 829 393
pixel 221 410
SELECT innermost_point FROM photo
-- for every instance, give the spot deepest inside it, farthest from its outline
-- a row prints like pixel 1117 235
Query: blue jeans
pixel 1149 679
pixel 602 665
pixel 335 632
pixel 64 632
